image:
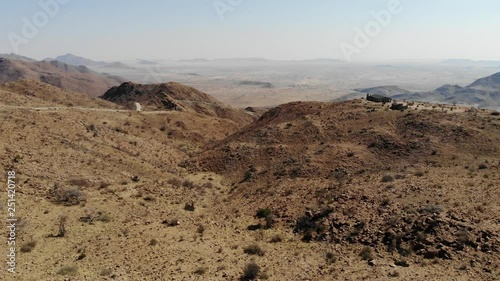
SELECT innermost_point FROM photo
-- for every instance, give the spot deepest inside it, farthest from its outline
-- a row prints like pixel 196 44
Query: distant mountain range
pixel 260 60
pixel 77 61
pixel 472 63
pixel 484 92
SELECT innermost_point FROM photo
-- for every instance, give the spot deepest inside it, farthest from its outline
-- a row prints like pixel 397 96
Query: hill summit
pixel 173 96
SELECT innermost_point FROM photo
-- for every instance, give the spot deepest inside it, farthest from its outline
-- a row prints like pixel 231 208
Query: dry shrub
pixel 253 249
pixel 250 272
pixel 68 270
pixel 81 182
pixel 66 196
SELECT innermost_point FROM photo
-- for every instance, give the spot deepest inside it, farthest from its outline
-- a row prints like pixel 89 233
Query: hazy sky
pixel 274 29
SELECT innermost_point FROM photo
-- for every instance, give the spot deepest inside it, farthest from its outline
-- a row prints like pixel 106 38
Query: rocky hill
pixel 74 78
pixel 174 96
pixel 484 92
pixel 309 191
pixel 354 173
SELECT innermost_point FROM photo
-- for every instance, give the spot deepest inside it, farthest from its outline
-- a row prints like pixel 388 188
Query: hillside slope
pixel 355 191
pixel 31 93
pixel 112 174
pixel 74 78
pixel 410 186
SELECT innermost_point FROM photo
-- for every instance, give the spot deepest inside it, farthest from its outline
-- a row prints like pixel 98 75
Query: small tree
pixel 250 272
pixel 266 214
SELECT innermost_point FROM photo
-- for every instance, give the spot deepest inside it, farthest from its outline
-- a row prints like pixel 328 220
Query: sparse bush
pixel 249 174
pixel 200 270
pixel 62 227
pixel 263 213
pixel 366 253
pixel 188 184
pixel 153 242
pixel 200 229
pixel 330 257
pixel 93 129
pixel 17 158
pixel 66 196
pixel 267 215
pixel 253 249
pixel 28 247
pixel 68 271
pixel 276 238
pixel 387 178
pixel 310 224
pixel 419 174
pixel 385 202
pixel 104 184
pixel 175 182
pixel 250 272
pixel 189 207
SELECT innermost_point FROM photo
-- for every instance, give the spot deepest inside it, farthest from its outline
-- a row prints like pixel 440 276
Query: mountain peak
pixel 77 60
pixel 490 83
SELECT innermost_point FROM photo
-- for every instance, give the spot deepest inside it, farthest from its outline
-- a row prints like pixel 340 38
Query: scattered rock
pixel 402 263
pixel 171 223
